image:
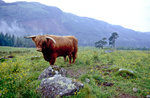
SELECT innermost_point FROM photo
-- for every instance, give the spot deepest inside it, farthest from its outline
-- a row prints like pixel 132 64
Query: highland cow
pixel 54 46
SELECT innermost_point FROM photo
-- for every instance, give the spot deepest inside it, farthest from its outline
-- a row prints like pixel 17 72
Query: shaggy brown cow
pixel 54 46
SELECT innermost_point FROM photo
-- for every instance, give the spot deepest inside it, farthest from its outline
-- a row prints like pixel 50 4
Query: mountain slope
pixel 24 18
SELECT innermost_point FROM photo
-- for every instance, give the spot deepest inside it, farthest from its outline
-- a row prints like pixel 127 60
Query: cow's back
pixel 63 46
pixel 74 42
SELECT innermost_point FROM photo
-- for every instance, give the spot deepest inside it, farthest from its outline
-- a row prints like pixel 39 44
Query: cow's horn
pixel 30 36
pixel 51 39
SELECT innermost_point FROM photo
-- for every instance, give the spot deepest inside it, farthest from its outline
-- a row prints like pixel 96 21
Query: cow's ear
pixel 50 38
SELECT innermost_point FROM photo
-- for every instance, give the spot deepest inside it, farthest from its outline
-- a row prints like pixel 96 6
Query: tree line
pixel 15 41
pixel 12 40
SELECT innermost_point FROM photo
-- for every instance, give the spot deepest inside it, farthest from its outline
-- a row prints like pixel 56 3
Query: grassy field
pixel 96 69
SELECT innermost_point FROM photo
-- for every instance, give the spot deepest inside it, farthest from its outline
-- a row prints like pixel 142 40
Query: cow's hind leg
pixel 69 59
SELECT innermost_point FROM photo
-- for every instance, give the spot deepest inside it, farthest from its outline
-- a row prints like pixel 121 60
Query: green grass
pixel 18 75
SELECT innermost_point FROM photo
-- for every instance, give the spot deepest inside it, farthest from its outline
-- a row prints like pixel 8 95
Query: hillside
pixel 24 18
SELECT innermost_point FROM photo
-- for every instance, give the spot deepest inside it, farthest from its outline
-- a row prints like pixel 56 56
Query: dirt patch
pixel 108 84
pixel 10 56
pixel 75 72
pixel 126 96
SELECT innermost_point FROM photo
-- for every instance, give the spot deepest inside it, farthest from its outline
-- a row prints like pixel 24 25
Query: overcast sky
pixel 133 14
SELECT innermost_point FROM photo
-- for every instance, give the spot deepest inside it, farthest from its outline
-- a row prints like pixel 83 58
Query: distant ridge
pixel 32 18
pixel 2 2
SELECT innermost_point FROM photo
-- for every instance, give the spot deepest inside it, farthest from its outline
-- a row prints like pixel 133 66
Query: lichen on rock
pixel 58 86
pixel 55 84
pixel 51 71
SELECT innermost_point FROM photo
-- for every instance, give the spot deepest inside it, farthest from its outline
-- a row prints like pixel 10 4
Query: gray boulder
pixel 109 51
pixel 58 86
pixel 51 71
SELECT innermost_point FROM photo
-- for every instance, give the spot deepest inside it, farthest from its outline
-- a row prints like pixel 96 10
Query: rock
pixel 126 73
pixel 148 96
pixel 58 86
pixel 50 72
pixel 105 67
pixel 109 51
pixel 135 90
pixel 35 57
pixel 55 84
pixel 87 80
pixel 60 70
pixel 121 69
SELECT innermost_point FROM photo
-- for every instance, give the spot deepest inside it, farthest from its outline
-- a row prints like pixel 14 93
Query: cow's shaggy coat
pixel 54 46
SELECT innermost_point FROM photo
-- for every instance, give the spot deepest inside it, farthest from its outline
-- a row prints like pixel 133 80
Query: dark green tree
pixel 112 39
pixel 2 39
pixel 12 40
pixel 101 43
pixel 5 39
pixel 19 42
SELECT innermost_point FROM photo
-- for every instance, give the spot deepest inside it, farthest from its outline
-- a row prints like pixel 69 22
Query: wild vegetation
pixel 104 73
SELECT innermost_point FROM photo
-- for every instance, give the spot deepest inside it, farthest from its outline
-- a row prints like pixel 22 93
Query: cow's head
pixel 42 41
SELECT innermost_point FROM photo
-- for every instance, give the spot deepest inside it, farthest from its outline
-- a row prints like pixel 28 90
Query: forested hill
pixel 31 18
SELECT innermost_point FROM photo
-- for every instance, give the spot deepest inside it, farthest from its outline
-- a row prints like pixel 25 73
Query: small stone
pixel 87 80
pixel 114 65
pixel 35 57
pixel 105 67
pixel 148 96
pixel 108 51
pixel 135 90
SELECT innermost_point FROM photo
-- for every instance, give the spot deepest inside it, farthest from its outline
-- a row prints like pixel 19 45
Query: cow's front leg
pixel 52 61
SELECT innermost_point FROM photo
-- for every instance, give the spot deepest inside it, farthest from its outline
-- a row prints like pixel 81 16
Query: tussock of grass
pixel 93 67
